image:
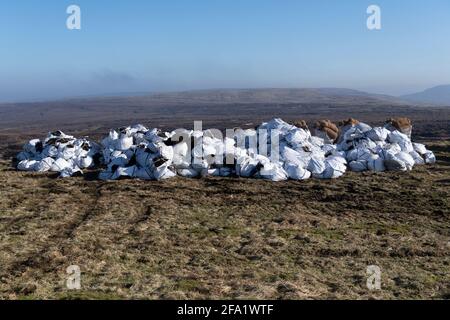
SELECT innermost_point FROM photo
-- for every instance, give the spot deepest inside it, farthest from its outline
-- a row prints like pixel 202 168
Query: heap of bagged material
pixel 151 154
pixel 274 151
pixel 381 148
pixel 137 152
pixel 58 152
pixel 303 155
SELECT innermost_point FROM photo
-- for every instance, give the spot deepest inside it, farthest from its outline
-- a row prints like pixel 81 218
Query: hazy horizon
pixel 141 46
pixel 144 93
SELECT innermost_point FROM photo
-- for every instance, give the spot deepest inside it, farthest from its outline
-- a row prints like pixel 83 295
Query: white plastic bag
pixel 358 165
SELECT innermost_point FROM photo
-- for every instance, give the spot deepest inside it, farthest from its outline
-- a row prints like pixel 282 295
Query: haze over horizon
pixel 143 46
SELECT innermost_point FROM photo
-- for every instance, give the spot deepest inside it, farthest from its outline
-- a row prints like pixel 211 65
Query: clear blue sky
pixel 160 45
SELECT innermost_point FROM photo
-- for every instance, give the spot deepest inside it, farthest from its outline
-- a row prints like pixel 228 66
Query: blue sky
pixel 165 45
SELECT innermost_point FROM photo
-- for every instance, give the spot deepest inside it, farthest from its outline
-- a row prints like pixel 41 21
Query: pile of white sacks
pixel 58 152
pixel 274 151
pixel 379 149
pixel 150 154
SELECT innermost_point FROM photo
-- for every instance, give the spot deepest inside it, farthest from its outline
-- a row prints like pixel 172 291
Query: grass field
pixel 227 238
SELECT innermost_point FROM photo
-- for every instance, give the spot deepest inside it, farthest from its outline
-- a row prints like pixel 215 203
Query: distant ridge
pixel 218 108
pixel 243 96
pixel 436 95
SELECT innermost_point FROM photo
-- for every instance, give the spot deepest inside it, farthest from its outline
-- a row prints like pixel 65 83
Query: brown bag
pixel 348 122
pixel 329 128
pixel 301 124
pixel 404 125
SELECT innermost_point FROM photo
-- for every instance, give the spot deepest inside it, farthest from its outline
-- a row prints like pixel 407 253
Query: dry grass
pixel 227 238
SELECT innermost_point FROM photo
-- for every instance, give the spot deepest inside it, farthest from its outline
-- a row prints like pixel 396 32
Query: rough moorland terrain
pixel 227 238
pixel 216 237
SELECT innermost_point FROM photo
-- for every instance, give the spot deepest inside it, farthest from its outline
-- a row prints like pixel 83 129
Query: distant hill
pixel 219 108
pixel 250 96
pixel 277 95
pixel 436 95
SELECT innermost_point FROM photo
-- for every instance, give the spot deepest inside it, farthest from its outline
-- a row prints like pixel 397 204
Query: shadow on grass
pixel 440 148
